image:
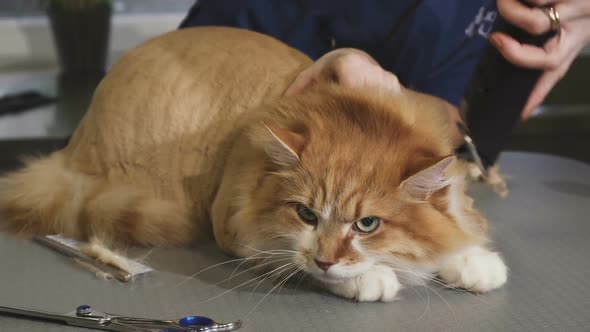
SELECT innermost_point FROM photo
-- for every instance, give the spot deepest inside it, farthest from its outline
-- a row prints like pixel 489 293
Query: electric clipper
pixel 496 96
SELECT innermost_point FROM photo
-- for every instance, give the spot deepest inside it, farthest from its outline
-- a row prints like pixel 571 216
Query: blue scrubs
pixel 433 46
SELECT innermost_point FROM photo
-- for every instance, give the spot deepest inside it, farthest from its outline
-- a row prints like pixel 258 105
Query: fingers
pixel 544 85
pixel 557 54
pixel 568 10
pixel 552 55
pixel 347 67
pixel 546 82
pixel 533 19
pixel 301 82
pixel 525 55
pixel 543 3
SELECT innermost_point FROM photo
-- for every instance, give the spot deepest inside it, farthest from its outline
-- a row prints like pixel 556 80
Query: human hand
pixel 558 53
pixel 354 68
pixel 348 67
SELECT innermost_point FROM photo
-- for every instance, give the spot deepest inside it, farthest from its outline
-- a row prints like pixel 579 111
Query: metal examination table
pixel 542 229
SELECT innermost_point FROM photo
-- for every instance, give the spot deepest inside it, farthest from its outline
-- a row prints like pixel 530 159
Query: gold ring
pixel 553 17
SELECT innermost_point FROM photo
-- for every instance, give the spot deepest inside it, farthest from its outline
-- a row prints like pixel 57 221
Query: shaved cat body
pixel 231 133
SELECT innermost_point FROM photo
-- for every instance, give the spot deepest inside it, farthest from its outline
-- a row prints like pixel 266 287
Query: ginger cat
pixel 230 132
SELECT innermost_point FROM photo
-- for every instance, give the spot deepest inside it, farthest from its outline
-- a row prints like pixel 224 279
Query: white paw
pixel 378 284
pixel 475 269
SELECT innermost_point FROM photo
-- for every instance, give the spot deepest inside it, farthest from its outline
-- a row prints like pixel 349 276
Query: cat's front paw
pixel 475 269
pixel 377 284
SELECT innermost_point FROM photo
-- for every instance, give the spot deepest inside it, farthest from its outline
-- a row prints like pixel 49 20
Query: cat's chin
pixel 330 280
pixel 337 275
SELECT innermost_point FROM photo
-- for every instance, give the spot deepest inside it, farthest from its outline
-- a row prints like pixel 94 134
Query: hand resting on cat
pixel 210 131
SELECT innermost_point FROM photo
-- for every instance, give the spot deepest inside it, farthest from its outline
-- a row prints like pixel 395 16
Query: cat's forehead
pixel 342 112
pixel 358 151
pixel 380 138
pixel 345 197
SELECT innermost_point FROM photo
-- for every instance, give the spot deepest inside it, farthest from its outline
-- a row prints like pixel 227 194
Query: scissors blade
pixel 472 150
pixel 475 156
pixel 68 319
pixel 31 313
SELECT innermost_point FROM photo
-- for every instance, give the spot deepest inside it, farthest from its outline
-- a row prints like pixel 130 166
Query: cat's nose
pixel 323 264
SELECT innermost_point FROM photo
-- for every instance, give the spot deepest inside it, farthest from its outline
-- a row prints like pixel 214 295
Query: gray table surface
pixel 542 229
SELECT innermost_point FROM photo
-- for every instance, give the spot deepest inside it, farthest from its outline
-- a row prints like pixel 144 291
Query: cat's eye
pixel 307 215
pixel 366 224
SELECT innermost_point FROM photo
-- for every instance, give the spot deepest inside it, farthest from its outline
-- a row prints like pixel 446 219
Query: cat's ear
pixel 347 67
pixel 282 145
pixel 423 184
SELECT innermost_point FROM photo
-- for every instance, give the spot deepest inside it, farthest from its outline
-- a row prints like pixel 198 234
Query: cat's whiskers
pixel 295 271
pixel 298 270
pixel 219 264
pixel 252 268
pixel 278 273
pixel 427 307
pixel 287 238
pixel 270 291
pixel 209 268
pixel 247 282
pixel 273 253
pixel 455 288
pixel 266 251
pixel 270 254
pixel 442 298
pixel 261 281
pixel 424 284
pixel 420 276
pixel 287 235
pixel 439 282
pixel 301 277
pixel 256 287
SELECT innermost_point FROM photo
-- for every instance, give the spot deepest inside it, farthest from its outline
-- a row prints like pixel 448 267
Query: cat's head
pixel 357 177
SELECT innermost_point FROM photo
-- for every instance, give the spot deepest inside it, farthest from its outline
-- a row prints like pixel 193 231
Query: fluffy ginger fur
pixel 190 135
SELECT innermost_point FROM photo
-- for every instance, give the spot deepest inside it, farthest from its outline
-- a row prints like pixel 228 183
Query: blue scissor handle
pixel 202 323
pixel 196 321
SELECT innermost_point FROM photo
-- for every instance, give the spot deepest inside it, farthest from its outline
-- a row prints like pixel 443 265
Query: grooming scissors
pixel 471 154
pixel 85 316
